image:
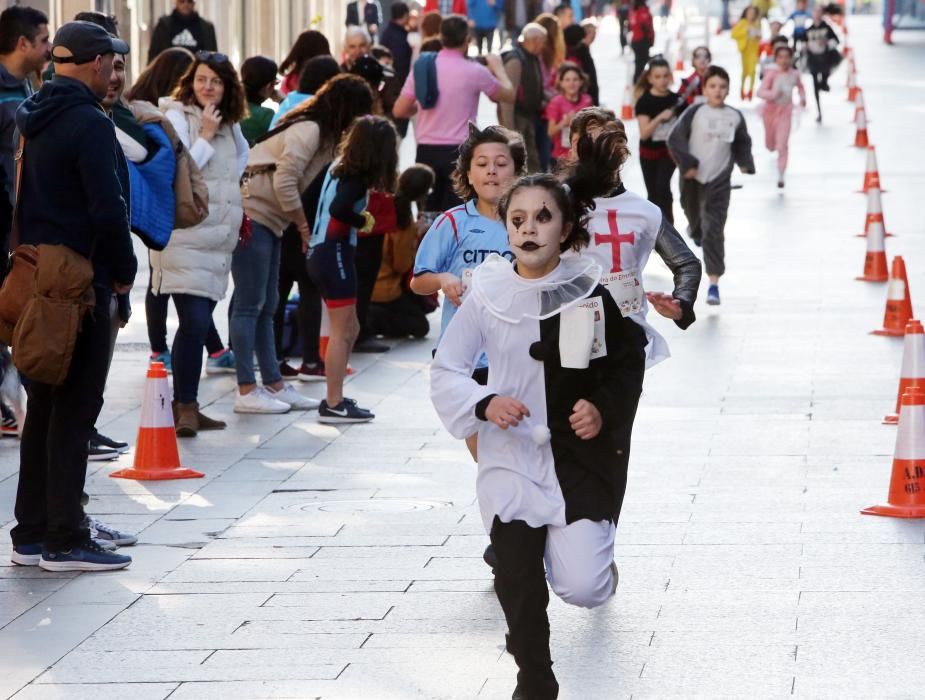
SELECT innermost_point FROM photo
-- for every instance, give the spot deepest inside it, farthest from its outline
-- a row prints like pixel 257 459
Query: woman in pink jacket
pixel 777 91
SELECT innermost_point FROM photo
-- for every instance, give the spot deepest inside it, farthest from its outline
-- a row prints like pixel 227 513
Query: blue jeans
pixel 195 314
pixel 255 271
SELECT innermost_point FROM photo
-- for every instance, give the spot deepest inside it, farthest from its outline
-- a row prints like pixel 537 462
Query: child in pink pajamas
pixel 777 90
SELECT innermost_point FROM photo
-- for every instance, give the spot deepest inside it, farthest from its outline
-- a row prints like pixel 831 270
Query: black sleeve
pixel 621 384
pixel 350 190
pixel 684 266
pixel 742 148
pixel 679 141
pixel 209 42
pixel 159 39
pixel 644 105
pixel 98 162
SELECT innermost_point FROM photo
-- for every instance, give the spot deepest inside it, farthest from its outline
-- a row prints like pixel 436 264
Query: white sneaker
pixel 294 399
pixel 259 401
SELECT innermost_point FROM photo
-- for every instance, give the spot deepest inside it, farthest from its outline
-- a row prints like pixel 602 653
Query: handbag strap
pixel 14 227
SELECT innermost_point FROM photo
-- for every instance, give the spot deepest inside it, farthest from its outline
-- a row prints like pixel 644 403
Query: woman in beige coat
pixel 281 166
pixel 205 110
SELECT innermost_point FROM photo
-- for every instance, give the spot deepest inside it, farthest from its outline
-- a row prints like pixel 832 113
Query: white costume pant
pixel 578 558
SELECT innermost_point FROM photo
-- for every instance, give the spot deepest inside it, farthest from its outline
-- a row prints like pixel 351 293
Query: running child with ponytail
pixel 555 418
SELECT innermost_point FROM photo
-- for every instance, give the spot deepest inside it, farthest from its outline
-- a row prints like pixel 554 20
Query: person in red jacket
pixel 642 35
pixel 446 7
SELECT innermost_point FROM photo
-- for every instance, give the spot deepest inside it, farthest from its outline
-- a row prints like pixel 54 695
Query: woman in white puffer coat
pixel 194 268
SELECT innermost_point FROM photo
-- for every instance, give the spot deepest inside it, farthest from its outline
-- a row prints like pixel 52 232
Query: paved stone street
pixel 313 562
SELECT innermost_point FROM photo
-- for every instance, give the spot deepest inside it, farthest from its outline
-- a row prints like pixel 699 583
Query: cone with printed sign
pixel 156 456
pixel 626 112
pixel 874 213
pixel 906 498
pixel 860 134
pixel 871 172
pixel 912 373
pixel 898 302
pixel 875 258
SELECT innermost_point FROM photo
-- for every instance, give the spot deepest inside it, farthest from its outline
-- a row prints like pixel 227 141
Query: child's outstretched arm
pixel 453 391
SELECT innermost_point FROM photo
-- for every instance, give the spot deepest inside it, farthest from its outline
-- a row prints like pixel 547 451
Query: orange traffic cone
pixel 156 457
pixel 906 498
pixel 851 69
pixel 852 82
pixel 682 49
pixel 898 302
pixel 626 113
pixel 325 333
pixel 875 258
pixel 860 136
pixel 912 373
pixel 858 105
pixel 871 172
pixel 874 212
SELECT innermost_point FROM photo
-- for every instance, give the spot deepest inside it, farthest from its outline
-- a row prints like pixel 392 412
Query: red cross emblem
pixel 614 239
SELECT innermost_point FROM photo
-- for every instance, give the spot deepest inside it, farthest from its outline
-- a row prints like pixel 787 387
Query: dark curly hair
pixel 369 150
pixel 334 107
pixel 491 134
pixel 233 106
pixel 161 76
pixel 594 173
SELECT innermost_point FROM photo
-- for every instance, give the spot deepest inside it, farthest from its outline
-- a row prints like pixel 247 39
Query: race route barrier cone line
pixel 913 369
pixel 874 213
pixel 156 456
pixel 898 302
pixel 871 172
pixel 875 258
pixel 906 498
pixel 860 135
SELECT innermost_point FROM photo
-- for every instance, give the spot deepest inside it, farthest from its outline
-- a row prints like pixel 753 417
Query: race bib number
pixel 663 129
pixel 599 343
pixel 722 129
pixel 626 290
pixel 565 137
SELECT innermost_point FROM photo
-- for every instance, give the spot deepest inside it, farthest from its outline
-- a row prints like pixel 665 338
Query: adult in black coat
pixel 183 27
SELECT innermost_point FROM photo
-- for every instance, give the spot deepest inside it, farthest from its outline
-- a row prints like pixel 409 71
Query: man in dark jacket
pixel 67 133
pixel 183 27
pixel 365 13
pixel 395 39
pixel 24 48
pixel 522 65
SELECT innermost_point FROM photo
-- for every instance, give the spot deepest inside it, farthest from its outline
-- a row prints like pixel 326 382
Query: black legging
pixel 819 68
pixel 641 53
pixel 292 271
pixel 657 172
pixel 368 262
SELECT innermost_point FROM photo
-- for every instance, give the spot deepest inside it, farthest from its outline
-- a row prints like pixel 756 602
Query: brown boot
pixel 187 419
pixel 206 423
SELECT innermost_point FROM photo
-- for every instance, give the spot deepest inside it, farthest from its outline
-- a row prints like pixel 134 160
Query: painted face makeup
pixel 535 229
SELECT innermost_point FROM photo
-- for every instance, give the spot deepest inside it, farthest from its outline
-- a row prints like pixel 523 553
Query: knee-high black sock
pixel 520 583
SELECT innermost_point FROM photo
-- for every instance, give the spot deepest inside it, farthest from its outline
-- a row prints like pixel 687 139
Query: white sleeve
pixel 201 150
pixel 453 391
pixel 243 148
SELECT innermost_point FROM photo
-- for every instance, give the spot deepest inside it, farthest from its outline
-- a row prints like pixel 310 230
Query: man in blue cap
pixel 74 192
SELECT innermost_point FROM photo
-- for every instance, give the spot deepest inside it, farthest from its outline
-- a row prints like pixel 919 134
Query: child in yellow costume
pixel 747 34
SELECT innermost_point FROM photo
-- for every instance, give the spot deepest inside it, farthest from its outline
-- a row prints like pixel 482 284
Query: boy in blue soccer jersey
pixel 461 238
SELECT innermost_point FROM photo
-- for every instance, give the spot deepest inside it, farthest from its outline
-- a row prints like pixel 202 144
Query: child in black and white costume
pixel 555 419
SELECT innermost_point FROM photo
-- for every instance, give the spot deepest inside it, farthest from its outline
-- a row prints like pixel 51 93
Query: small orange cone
pixel 871 172
pixel 626 113
pixel 912 373
pixel 874 212
pixel 898 302
pixel 860 136
pixel 858 105
pixel 875 258
pixel 852 82
pixel 325 333
pixel 906 498
pixel 682 49
pixel 156 456
pixel 851 69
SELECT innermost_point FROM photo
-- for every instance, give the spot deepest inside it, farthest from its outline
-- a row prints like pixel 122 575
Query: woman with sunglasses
pixel 205 109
